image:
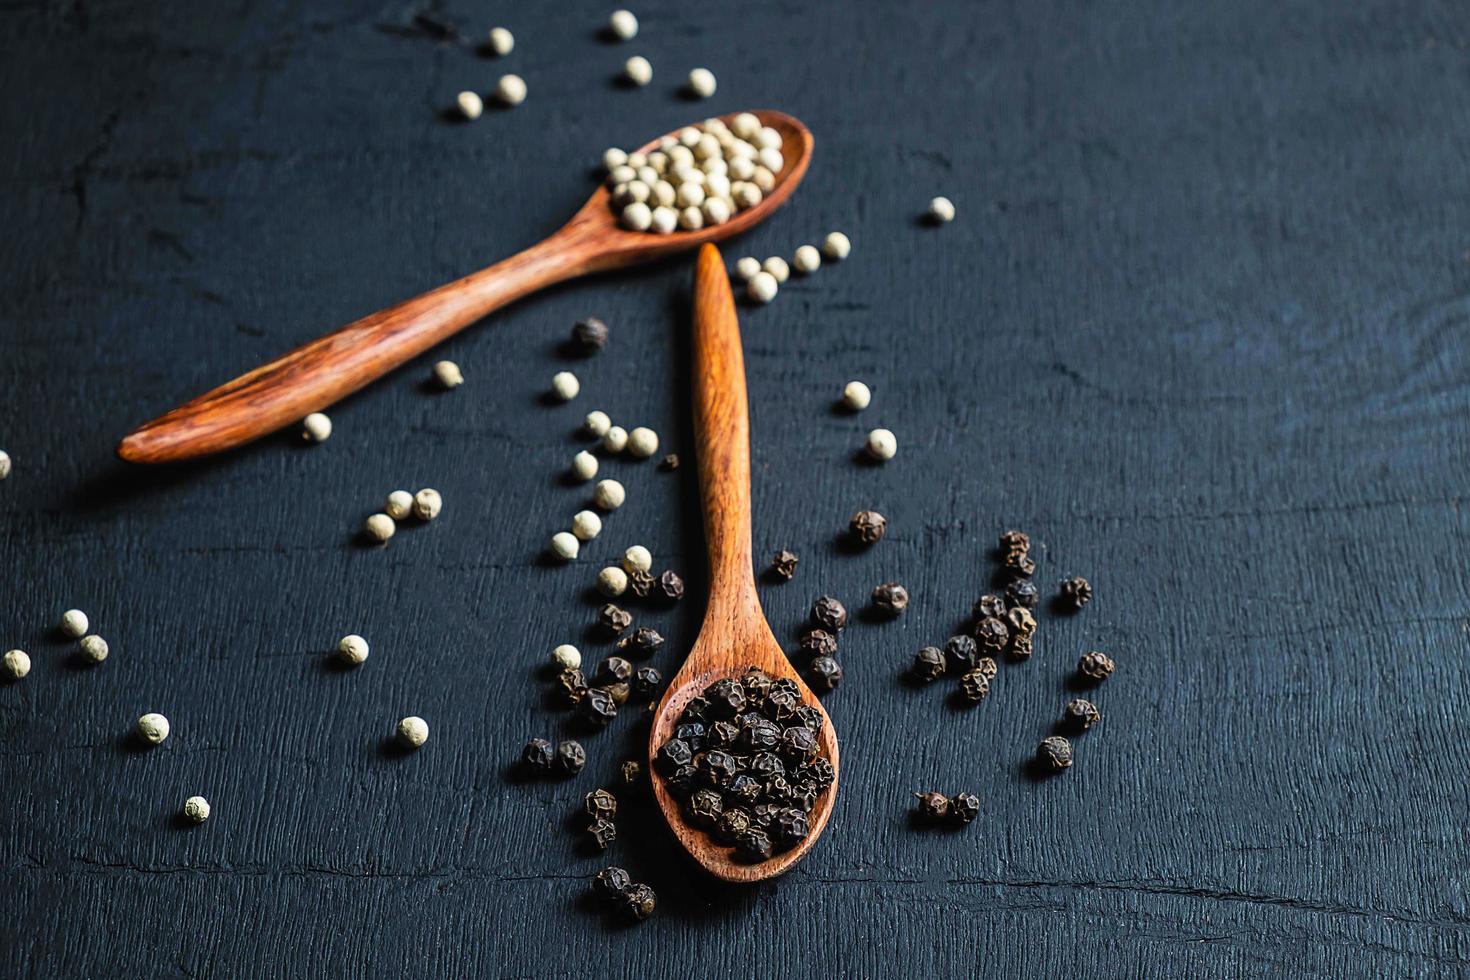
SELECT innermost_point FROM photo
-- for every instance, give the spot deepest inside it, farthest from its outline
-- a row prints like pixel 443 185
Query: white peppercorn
pixel 746 125
pixel 702 82
pixel 565 546
pixel 584 465
pixel 764 179
pixel 196 809
pixel 94 648
pixel 770 158
pixel 715 210
pixel 448 374
pixel 762 287
pixel 380 528
pixel 941 210
pixel 623 25
pixel 836 246
pixel 413 732
pixel 637 159
pixel 74 623
pixel 511 89
pixel 691 219
pixel 597 424
pixel 565 385
pixel 664 194
pixel 664 220
pixel 352 649
pixel 716 185
pixel 427 504
pixel 608 495
pixel 470 105
pixel 856 396
pixel 638 71
pixel 316 427
pixel 747 267
pixel 746 195
pixel 621 174
pixel 637 216
pixel 4 464
pixel 882 445
pixel 778 268
pixel 806 260
pixel 153 728
pixel 567 657
pixel 690 195
pixel 612 582
pixel 586 525
pixel 399 505
pixel 642 442
pixel 638 559
pixel 613 158
pixel 766 138
pixel 616 439
pixel 17 664
pixel 502 41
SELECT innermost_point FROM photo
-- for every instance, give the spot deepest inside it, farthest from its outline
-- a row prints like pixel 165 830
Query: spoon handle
pixel 722 436
pixel 315 375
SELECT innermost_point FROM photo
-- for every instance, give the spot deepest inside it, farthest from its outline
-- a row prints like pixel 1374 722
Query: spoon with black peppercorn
pixel 314 376
pixel 735 634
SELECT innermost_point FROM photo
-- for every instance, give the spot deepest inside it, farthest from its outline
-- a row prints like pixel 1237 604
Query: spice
pixel 538 755
pixel 637 216
pixel 929 664
pixel 584 466
pixel 614 619
pixel 612 582
pixel 836 246
pixel 602 832
pixel 963 808
pixel 94 648
pixel 636 903
pixel 598 707
pixel 1080 714
pixel 399 505
pixel 613 670
pixel 647 681
pixel 5 464
pixel 631 772
pixel 74 623
pixel 502 42
pixel 933 806
pixel 806 260
pixel 1095 666
pixel 470 105
pixel 589 335
pixel 960 653
pixel 427 504
pixel 586 525
pixel 989 606
pixel 608 883
pixel 777 267
pixel 856 396
pixel 642 642
pixel 637 559
pixel 641 584
pixel 882 445
pixel 413 732
pixel 608 495
pixel 1023 592
pixel 702 83
pixel 992 634
pixel 1018 562
pixel 563 545
pixel 1055 753
pixel 196 809
pixel 974 686
pixel 316 427
pixel 754 844
pixel 566 657
pixel 868 526
pixel 511 90
pixel 570 757
pixel 597 424
pixel 600 805
pixel 573 684
pixel 17 664
pixel 564 385
pixel 670 462
pixel 642 442
pixel 1021 646
pixel 941 210
pixel 1076 591
pixel 1015 541
pixel 671 586
pixel 783 565
pixel 623 25
pixel 986 666
pixel 818 643
pixel 762 287
pixel 616 439
pixel 747 267
pixel 829 614
pixel 890 598
pixel 352 649
pixel 638 70
pixel 824 674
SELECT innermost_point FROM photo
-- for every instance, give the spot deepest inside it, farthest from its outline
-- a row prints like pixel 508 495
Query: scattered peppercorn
pixel 974 686
pixel 609 883
pixel 882 445
pixel 1020 620
pixel 637 902
pixel 671 586
pixel 986 666
pixel 1095 666
pixel 1080 714
pixel 647 681
pixel 17 664
pixel 817 642
pixel 1015 540
pixel 868 526
pixel 602 832
pixel 614 619
pixel 590 335
pixel 598 707
pixel 890 598
pixel 1022 592
pixel 614 669
pixel 1018 562
pixel 964 807
pixel 992 634
pixel 783 566
pixel 74 623
pixel 538 755
pixel 642 642
pixel 1021 647
pixel 1055 752
pixel 825 673
pixel 573 684
pixel 600 805
pixel 570 757
pixel 413 732
pixel 631 772
pixel 670 462
pixel 989 605
pixel 960 653
pixel 196 809
pixel 829 614
pixel 933 806
pixel 929 664
pixel 1076 591
pixel 641 583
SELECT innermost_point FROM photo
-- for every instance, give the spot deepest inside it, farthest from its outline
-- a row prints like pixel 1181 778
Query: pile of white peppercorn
pixel 764 279
pixel 400 506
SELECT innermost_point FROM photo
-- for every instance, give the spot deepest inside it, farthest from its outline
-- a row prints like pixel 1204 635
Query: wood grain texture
pixel 735 635
pixel 1199 327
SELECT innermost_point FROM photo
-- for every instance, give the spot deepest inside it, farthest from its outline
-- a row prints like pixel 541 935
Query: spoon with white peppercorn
pixel 596 239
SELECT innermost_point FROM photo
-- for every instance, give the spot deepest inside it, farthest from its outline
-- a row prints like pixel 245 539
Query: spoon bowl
pixel 735 634
pixel 315 375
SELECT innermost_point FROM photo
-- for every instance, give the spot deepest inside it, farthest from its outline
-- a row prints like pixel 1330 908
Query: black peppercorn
pixel 682 781
pixel 1021 646
pixel 674 754
pixel 1095 666
pixel 538 755
pixel 609 883
pixel 789 826
pixel 868 526
pixel 760 736
pixel 824 673
pixel 960 653
pixel 763 813
pixel 641 583
pixel 1080 714
pixel 614 669
pixel 890 598
pixel 732 823
pixel 757 684
pixel 726 697
pixel 647 681
pixel 692 734
pixel 989 605
pixel 817 642
pixel 1022 592
pixel 1055 753
pixel 671 586
pixel 1076 591
pixel 986 666
pixel 614 619
pixel 632 772
pixel 619 691
pixel 744 789
pixel 573 684
pixel 753 844
pixel 818 772
pixel 704 807
pixel 809 716
pixel 783 566
pixel 786 685
pixel 600 805
pixel 933 806
pixel 1015 540
pixel 974 686
pixel 798 744
pixel 829 614
pixel 716 767
pixel 1021 621
pixel 964 807
pixel 992 634
pixel 1019 562
pixel 590 335
pixel 670 462
pixel 642 642
pixel 929 664
pixel 636 902
pixel 722 735
pixel 765 764
pixel 570 757
pixel 602 832
pixel 598 706
pixel 696 710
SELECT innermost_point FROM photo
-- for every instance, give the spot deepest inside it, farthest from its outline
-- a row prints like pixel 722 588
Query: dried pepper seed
pixel 616 439
pixel 762 287
pixel 754 844
pixel 600 805
pixel 448 374
pixel 570 757
pixel 989 606
pixel 427 504
pixel 609 883
pixel 671 586
pixel 413 732
pixel 565 386
pixel 573 684
pixel 637 559
pixel 196 809
pixel 1080 714
pixel 1018 562
pixel 619 691
pixel 681 782
pixel 1020 620
pixel 974 686
pixel 783 566
pixel 1015 540
pixel 964 807
pixel 631 772
pixel 836 246
pixel 153 728
pixel 1096 666
pixel 722 734
pixel 567 657
pixel 642 442
pixel 1023 592
pixel 929 664
pixel 642 642
pixel 829 614
pixel 992 634
pixel 511 90
pixel 94 648
pixel 716 767
pixel 614 669
pixel 17 664
pixel 399 505
pixel 623 25
pixel 584 466
pixel 882 445
pixel 1021 647
pixel 702 83
pixel 1076 591
pixel 597 707
pixel 637 902
pixel 641 584
pixel 986 666
pixel 941 210
pixel 590 335
pixel 692 734
pixel 379 528
pixel 890 598
pixel 825 674
pixel 602 832
pixel 5 464
pixel 790 826
pixel 670 462
pixel 868 526
pixel 933 806
pixel 817 642
pixel 316 427
pixel 608 495
pixel 732 823
pixel 806 260
pixel 856 396
pixel 74 623
pixel 960 653
pixel 1055 752
pixel 596 423
pixel 538 755
pixel 614 619
pixel 647 681
pixel 726 697
pixel 612 582
pixel 674 754
pixel 586 525
pixel 704 807
pixel 638 70
pixel 502 41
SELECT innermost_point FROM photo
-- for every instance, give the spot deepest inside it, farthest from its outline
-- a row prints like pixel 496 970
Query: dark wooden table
pixel 1201 326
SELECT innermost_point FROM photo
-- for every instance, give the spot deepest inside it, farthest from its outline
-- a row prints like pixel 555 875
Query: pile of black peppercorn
pixel 621 895
pixel 819 643
pixel 540 759
pixel 957 810
pixel 744 763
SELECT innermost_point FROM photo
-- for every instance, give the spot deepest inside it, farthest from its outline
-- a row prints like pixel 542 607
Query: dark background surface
pixel 1200 327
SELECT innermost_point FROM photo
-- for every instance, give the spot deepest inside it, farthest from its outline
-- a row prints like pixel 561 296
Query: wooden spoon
pixel 310 378
pixel 735 634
